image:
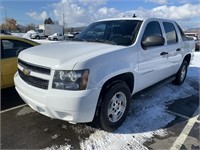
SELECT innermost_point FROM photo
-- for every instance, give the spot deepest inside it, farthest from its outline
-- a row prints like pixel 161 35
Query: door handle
pixel 178 49
pixel 163 53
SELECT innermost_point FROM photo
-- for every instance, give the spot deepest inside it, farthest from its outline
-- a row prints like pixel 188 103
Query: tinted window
pixel 152 28
pixel 98 31
pixel 182 33
pixel 39 31
pixel 118 32
pixel 170 33
pixel 11 48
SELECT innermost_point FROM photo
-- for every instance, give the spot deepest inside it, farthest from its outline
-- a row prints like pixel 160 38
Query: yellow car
pixel 10 48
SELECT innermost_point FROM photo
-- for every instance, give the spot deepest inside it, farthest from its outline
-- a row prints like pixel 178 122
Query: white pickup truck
pixel 56 37
pixel 95 75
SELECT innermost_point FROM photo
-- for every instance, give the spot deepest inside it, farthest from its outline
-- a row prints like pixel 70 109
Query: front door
pixel 8 62
pixel 152 60
pixel 9 51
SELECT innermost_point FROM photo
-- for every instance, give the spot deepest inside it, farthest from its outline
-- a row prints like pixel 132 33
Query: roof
pixel 124 18
pixel 136 18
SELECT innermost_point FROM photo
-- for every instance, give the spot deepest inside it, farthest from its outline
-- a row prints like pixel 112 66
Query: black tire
pixel 37 37
pixel 107 122
pixel 181 74
pixel 55 39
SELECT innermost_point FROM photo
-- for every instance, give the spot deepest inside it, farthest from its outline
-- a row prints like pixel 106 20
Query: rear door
pixel 174 46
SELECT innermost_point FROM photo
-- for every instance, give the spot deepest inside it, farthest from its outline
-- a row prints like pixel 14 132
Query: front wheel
pixel 115 106
pixel 181 74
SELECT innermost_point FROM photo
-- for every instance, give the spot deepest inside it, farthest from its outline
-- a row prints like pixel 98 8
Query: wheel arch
pixel 187 58
pixel 127 78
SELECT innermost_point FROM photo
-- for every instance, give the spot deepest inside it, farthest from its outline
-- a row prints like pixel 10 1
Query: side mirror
pixel 154 40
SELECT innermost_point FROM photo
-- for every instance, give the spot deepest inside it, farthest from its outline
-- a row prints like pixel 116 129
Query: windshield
pixel 39 31
pixel 118 32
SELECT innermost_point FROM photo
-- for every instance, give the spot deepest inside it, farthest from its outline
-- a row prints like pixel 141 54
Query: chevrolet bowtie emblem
pixel 26 72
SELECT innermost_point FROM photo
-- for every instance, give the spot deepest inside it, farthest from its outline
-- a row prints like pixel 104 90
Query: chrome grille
pixel 34 68
pixel 34 81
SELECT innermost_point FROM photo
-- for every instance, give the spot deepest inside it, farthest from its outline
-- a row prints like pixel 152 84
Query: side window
pixel 11 48
pixel 170 33
pixel 7 44
pixel 152 28
pixel 182 33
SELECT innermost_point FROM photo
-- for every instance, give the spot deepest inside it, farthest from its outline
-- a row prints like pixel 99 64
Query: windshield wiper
pixel 95 40
pixel 102 41
pixel 79 39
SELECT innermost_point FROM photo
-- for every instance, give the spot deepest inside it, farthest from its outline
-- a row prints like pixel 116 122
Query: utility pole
pixel 63 24
pixel 5 13
pixel 63 19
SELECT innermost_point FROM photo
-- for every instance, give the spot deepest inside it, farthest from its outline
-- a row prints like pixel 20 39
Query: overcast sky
pixel 83 12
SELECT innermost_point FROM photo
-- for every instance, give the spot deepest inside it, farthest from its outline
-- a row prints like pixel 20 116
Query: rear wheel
pixel 115 106
pixel 55 39
pixel 181 74
pixel 37 37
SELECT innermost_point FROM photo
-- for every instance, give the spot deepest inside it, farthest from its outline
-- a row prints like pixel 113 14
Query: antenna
pixel 134 16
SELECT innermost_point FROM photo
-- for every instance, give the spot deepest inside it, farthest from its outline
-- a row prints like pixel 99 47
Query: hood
pixel 64 55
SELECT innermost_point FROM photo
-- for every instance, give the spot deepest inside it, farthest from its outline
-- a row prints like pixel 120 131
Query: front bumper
pixel 71 106
pixel 50 38
pixel 32 36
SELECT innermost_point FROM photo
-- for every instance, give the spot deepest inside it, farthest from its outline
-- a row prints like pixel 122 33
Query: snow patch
pixel 44 41
pixel 54 136
pixel 25 110
pixel 61 147
pixel 18 34
pixel 46 129
pixel 64 126
pixel 196 61
pixel 137 129
pixel 80 130
pixel 27 35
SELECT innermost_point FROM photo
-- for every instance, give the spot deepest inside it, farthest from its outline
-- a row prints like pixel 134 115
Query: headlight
pixel 32 35
pixel 70 80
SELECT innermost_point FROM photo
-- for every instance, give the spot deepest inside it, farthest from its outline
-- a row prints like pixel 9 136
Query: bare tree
pixel 29 27
pixel 3 27
pixel 48 21
pixel 11 24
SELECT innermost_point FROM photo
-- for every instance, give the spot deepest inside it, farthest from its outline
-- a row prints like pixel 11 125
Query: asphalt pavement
pixel 23 128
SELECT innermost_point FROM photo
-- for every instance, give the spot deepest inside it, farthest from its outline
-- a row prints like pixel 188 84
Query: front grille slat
pixel 34 68
pixel 34 81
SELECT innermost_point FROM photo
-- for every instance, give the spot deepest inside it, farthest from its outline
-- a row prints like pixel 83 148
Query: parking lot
pixel 164 116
